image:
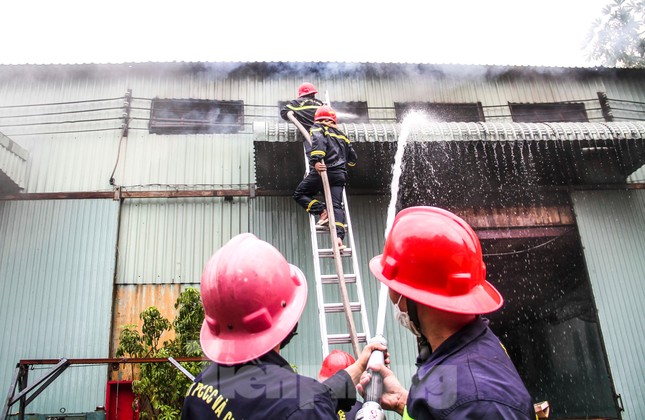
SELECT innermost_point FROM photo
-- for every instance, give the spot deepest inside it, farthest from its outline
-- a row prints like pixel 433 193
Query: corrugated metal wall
pixel 168 241
pixel 13 161
pixel 56 276
pixel 627 89
pixel 612 228
pixel 163 247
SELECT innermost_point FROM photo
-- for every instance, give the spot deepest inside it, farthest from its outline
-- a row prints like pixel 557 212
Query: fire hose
pixel 371 409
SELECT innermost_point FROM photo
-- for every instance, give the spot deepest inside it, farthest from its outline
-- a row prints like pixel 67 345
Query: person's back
pixel 469 376
pixel 303 108
pixel 263 389
pixel 334 145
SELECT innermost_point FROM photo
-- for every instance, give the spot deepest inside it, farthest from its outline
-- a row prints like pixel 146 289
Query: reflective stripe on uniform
pixel 406 416
pixel 302 108
pixel 311 203
pixel 338 136
pixel 318 153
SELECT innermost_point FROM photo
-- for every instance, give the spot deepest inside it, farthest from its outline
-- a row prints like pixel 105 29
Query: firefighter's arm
pixel 318 149
pixel 352 158
pixel 285 110
pixel 357 368
pixel 394 397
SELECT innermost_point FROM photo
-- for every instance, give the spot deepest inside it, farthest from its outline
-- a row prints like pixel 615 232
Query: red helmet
pixel 252 300
pixel 306 89
pixel 335 361
pixel 434 257
pixel 325 112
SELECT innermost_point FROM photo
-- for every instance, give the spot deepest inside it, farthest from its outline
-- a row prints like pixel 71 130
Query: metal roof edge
pixel 456 131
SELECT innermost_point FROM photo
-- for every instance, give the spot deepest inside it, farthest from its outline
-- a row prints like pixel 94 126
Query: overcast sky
pixel 512 32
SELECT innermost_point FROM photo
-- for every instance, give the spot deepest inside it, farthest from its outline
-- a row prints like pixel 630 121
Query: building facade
pixel 118 181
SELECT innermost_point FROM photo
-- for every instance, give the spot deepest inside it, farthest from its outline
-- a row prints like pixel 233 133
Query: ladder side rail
pixel 319 287
pixel 356 269
pixel 320 299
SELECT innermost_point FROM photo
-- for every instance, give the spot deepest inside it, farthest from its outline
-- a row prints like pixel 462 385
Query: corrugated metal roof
pixel 612 228
pixel 466 131
pixel 479 157
pixel 56 272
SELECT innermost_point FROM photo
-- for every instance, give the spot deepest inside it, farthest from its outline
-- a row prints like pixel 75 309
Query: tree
pixel 617 38
pixel 160 388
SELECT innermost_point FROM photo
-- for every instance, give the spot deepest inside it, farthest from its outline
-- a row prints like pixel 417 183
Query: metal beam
pixel 523 233
pixel 101 361
pixel 37 387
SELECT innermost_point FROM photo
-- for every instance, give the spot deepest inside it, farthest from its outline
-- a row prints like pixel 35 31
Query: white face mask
pixel 404 319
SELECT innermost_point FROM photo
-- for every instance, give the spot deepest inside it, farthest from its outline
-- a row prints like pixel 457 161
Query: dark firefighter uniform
pixel 304 109
pixel 330 144
pixel 469 376
pixel 266 388
pixel 350 415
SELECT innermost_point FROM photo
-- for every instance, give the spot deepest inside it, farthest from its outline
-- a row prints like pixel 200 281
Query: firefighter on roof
pixel 252 301
pixel 330 144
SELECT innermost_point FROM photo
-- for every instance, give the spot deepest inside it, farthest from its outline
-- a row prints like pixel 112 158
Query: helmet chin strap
pixel 422 341
pixel 288 338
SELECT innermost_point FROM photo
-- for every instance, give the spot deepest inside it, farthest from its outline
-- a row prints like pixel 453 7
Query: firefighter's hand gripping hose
pixel 371 409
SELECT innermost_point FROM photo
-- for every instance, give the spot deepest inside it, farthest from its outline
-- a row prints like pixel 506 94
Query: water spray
pixel 371 409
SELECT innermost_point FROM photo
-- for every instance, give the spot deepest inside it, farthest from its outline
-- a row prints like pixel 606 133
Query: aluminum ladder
pixel 339 297
pixel 339 288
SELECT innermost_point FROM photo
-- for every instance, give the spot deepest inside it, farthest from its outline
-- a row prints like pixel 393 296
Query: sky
pixel 491 32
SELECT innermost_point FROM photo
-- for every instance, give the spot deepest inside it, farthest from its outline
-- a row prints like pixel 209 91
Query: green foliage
pixel 617 38
pixel 161 387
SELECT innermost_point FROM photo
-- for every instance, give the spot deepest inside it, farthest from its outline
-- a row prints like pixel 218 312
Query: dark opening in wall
pixel 191 116
pixel 447 112
pixel 549 112
pixel 351 112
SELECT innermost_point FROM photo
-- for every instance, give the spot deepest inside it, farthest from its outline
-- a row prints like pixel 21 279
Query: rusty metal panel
pixel 165 241
pixel 56 276
pixel 612 230
pixel 132 299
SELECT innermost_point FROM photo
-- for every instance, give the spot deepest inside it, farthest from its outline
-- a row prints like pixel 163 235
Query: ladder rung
pixel 333 278
pixel 322 229
pixel 329 253
pixel 345 338
pixel 332 308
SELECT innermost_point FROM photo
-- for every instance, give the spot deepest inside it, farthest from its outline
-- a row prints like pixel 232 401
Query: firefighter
pixel 432 263
pixel 330 144
pixel 335 361
pixel 252 302
pixel 303 108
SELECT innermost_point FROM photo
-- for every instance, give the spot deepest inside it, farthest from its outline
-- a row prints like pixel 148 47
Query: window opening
pixel 549 112
pixel 442 112
pixel 195 116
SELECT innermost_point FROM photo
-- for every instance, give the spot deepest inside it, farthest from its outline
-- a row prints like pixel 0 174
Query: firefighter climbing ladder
pixel 345 259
